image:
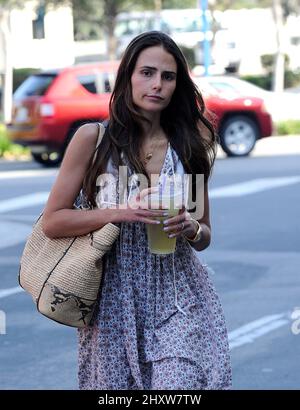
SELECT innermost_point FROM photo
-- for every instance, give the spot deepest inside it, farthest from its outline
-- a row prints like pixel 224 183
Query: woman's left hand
pixel 181 224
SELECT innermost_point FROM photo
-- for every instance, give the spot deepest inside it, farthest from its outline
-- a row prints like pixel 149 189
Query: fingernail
pixel 166 229
pixel 166 222
pixel 165 214
pixel 157 222
pixel 171 235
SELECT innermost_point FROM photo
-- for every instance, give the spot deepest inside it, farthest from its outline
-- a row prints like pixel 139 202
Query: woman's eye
pixel 146 73
pixel 169 77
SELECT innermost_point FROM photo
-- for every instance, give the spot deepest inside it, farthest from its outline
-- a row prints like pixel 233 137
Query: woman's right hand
pixel 137 210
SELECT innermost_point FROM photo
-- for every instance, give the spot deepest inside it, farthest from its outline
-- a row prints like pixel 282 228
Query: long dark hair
pixel 189 131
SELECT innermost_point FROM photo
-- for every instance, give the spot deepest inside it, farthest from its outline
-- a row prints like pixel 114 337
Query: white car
pixel 281 105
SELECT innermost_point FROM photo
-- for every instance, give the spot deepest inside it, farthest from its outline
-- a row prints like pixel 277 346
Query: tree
pixel 281 9
pixel 104 13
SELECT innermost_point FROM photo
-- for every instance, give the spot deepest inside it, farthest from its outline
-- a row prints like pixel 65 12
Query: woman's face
pixel 153 80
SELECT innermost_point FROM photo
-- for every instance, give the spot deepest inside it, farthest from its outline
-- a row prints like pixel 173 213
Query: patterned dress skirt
pixel 158 325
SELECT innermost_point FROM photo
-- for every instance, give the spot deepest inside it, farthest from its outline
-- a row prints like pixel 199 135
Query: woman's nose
pixel 157 82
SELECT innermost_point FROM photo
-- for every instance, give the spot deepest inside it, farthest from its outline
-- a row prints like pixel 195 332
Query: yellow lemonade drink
pixel 158 240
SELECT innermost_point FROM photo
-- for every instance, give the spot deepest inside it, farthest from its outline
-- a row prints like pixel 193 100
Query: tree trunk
pixel 110 13
pixel 8 68
pixel 278 72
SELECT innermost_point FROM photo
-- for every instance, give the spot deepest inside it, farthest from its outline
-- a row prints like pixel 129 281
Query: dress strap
pixel 101 131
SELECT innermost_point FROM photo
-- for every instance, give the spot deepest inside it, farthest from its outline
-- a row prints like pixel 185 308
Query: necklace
pixel 149 154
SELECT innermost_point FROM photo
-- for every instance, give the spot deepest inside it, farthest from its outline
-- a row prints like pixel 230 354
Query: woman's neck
pixel 153 129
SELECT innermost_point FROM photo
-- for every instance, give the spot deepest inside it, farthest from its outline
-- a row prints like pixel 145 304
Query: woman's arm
pixel 205 237
pixel 173 226
pixel 59 217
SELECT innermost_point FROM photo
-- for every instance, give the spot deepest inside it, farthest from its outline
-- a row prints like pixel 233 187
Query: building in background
pixel 255 33
pixel 41 39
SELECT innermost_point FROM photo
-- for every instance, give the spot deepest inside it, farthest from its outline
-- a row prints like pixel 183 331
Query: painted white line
pixel 28 173
pixel 23 201
pixel 11 291
pixel 22 218
pixel 245 188
pixel 253 330
pixel 239 337
pixel 253 186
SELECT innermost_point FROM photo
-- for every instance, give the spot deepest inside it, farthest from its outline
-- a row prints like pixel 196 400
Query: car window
pixel 89 82
pixel 222 86
pixel 204 86
pixel 226 89
pixel 36 84
pixel 97 83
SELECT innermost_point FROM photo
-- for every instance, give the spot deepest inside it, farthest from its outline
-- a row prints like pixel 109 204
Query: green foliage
pixel 20 74
pixel 189 55
pixel 240 4
pixel 268 61
pixel 291 127
pixel 4 141
pixel 263 81
pixel 10 150
pixel 179 4
pixel 288 6
pixel 291 79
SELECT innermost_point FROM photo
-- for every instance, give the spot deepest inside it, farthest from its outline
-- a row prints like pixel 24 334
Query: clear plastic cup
pixel 158 240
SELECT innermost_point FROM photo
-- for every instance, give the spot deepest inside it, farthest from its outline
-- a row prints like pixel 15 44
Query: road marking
pixel 40 198
pixel 23 201
pixel 235 190
pixel 13 233
pixel 243 335
pixel 253 330
pixel 11 291
pixel 22 218
pixel 28 173
pixel 253 186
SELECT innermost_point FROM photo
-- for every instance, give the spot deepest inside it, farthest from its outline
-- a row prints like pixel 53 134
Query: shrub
pixel 8 149
pixel 4 141
pixel 263 81
pixel 289 127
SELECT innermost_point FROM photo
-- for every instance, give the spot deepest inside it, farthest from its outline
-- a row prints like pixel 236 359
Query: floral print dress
pixel 159 323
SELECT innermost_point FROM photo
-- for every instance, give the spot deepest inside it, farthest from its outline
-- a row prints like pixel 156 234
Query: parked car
pixel 51 105
pixel 281 105
pixel 241 119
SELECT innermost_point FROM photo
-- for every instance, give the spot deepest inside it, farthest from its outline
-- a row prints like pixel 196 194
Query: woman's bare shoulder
pixel 87 132
pixel 83 143
pixel 73 168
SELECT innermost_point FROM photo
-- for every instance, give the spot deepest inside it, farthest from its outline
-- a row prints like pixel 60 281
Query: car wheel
pixel 48 159
pixel 238 135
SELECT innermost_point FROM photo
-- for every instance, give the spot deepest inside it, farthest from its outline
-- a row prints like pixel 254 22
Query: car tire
pixel 48 159
pixel 238 135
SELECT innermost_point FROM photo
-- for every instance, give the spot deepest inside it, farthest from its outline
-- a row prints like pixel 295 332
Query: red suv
pixel 51 105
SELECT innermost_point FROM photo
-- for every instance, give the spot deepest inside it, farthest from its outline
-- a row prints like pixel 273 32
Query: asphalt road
pixel 253 260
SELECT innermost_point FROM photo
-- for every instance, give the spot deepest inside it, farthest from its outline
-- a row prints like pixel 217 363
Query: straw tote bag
pixel 63 275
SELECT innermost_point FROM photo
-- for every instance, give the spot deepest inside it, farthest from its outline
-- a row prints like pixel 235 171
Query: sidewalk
pixel 279 145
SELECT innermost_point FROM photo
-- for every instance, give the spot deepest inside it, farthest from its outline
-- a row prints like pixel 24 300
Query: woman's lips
pixel 154 97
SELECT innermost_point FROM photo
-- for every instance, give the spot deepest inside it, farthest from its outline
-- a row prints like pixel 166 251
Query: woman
pixel 159 323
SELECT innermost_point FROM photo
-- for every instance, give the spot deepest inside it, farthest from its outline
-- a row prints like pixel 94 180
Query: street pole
pixel 8 68
pixel 278 71
pixel 206 43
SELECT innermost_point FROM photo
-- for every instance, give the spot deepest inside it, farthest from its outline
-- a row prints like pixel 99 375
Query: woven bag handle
pixel 101 130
